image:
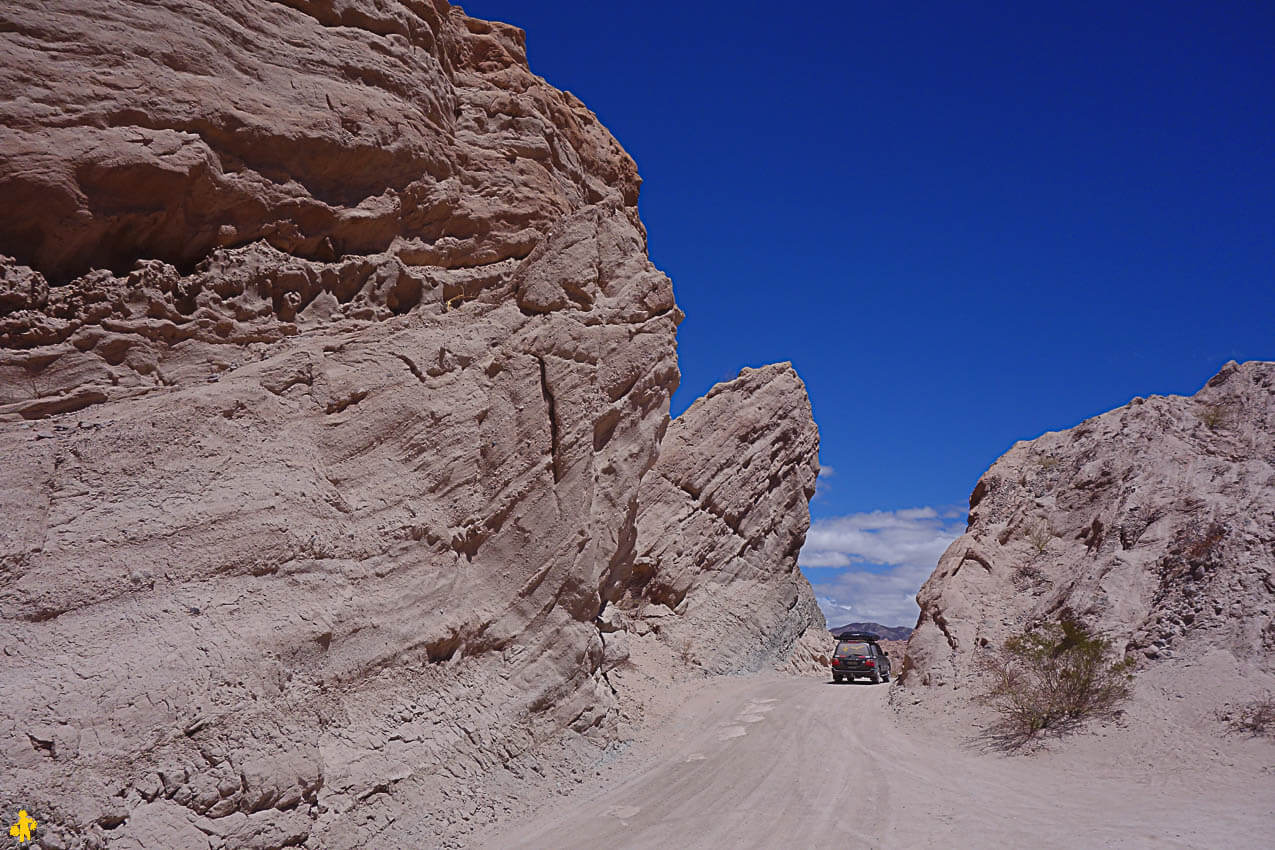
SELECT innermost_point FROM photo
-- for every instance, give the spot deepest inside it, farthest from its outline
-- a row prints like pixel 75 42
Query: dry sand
pixel 784 761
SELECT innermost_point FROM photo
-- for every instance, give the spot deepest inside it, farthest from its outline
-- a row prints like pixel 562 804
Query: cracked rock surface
pixel 722 518
pixel 332 365
pixel 1154 524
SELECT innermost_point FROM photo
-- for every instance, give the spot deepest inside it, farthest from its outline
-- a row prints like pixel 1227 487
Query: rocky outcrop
pixel 1154 524
pixel 722 517
pixel 332 365
pixel 200 174
pixel 323 127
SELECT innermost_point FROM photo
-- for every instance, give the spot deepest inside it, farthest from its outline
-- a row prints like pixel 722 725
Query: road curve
pixel 787 762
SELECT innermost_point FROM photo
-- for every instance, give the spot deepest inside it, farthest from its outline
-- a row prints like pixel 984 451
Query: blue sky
pixel 965 224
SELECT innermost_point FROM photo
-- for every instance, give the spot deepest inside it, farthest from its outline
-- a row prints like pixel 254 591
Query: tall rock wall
pixel 1154 524
pixel 331 366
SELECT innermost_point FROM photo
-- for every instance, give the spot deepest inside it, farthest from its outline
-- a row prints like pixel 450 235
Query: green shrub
pixel 1051 678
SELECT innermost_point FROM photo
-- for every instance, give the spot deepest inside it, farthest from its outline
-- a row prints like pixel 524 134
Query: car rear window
pixel 848 648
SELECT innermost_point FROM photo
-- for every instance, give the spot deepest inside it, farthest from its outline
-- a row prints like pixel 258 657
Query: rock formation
pixel 1153 524
pixel 323 127
pixel 721 520
pixel 332 365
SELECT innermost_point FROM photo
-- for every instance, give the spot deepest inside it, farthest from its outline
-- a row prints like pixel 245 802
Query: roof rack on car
pixel 869 636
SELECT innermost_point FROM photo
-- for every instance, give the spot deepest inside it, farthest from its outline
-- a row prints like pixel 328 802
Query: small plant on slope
pixel 1048 463
pixel 1039 538
pixel 1214 416
pixel 1051 678
pixel 1255 718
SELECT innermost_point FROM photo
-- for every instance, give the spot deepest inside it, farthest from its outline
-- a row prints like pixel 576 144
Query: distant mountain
pixel 887 632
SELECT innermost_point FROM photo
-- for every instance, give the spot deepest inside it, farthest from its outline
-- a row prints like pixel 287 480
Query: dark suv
pixel 859 655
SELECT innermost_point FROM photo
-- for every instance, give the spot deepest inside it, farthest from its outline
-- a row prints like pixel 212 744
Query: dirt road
pixel 785 762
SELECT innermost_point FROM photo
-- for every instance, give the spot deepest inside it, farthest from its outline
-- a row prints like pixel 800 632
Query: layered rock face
pixel 332 364
pixel 721 520
pixel 1154 524
pixel 324 127
pixel 275 166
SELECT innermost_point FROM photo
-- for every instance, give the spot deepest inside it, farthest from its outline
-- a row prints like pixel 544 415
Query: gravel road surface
pixel 788 762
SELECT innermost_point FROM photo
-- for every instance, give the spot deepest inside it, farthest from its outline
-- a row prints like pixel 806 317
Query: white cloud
pixel 821 483
pixel 888 598
pixel 825 559
pixel 907 542
pixel 829 607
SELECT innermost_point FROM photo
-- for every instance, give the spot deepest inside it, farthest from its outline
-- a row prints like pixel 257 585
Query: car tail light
pixel 869 663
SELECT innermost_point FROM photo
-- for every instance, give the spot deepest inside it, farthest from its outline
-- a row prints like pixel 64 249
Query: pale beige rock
pixel 331 367
pixel 326 128
pixel 1153 524
pixel 722 518
pixel 329 484
pixel 159 824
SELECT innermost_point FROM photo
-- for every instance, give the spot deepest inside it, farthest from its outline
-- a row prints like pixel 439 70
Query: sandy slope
pixel 774 761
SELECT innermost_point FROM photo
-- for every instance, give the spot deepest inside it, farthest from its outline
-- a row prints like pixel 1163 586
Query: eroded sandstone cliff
pixel 150 130
pixel 1153 523
pixel 721 520
pixel 332 367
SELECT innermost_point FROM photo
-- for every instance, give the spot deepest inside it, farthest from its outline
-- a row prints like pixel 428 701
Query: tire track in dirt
pixel 754 769
pixel 773 761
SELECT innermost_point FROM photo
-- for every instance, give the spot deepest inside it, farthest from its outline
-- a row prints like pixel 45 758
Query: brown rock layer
pixel 1153 523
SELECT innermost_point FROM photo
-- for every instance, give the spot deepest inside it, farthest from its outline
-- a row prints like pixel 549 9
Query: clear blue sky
pixel 964 223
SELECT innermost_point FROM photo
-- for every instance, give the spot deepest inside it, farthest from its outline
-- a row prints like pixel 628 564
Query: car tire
pixel 876 677
pixel 836 678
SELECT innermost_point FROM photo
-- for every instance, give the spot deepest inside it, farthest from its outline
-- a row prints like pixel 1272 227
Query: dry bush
pixel 1048 463
pixel 1199 543
pixel 1039 538
pixel 1028 577
pixel 1194 556
pixel 1256 718
pixel 1051 678
pixel 685 652
pixel 33 385
pixel 1214 416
